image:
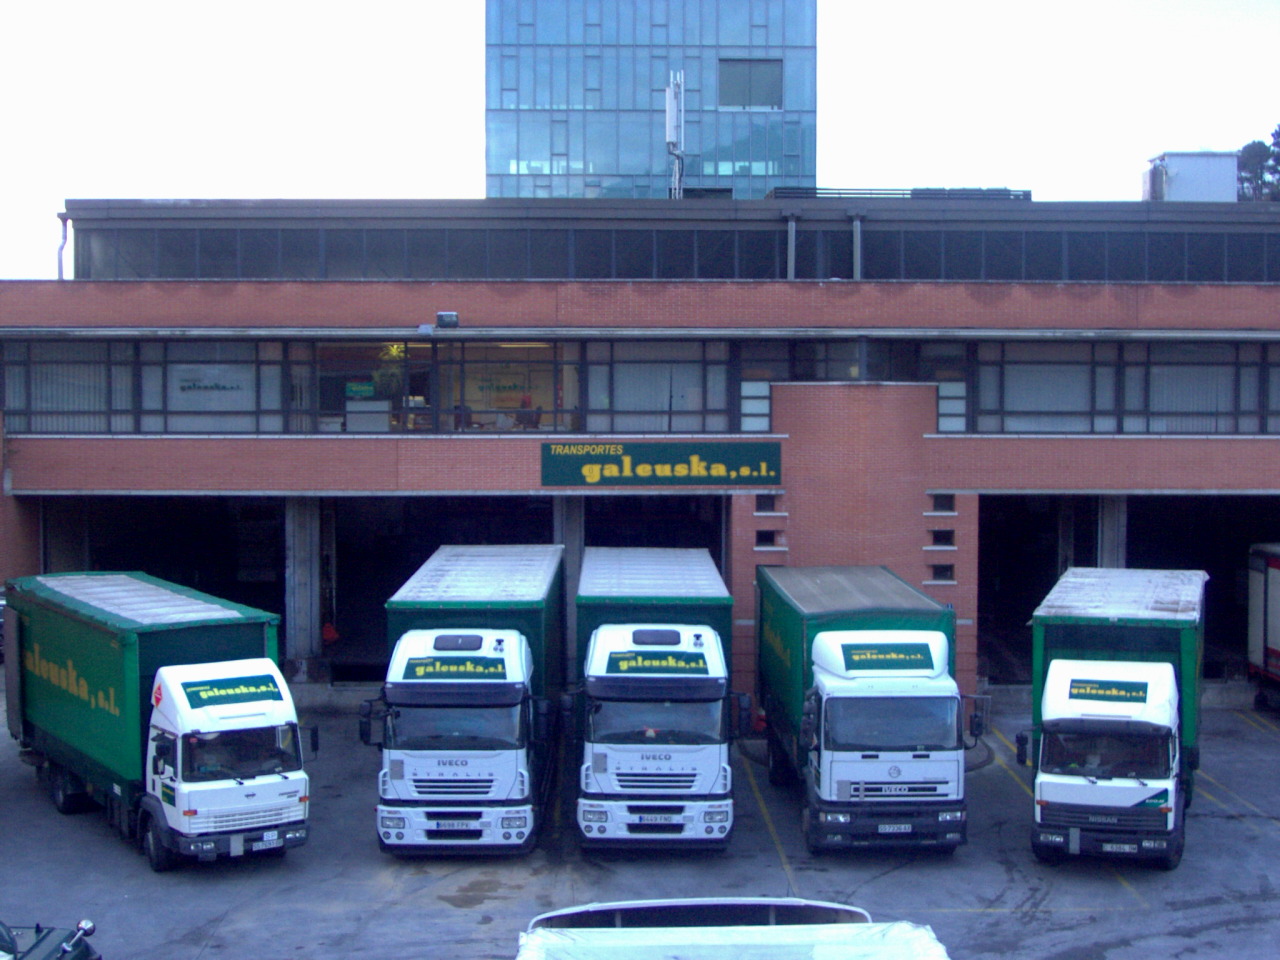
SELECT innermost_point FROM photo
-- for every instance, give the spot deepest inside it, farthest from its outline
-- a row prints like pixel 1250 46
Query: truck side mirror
pixel 542 719
pixel 314 733
pixel 163 755
pixel 976 727
pixel 366 724
pixel 1021 740
pixel 1193 758
pixel 744 714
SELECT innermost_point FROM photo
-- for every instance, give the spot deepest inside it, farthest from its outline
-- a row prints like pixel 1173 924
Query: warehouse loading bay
pixel 371 544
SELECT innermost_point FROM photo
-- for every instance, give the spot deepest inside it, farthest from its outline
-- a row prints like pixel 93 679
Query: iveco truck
pixel 856 674
pixel 655 716
pixel 1116 658
pixel 464 724
pixel 163 705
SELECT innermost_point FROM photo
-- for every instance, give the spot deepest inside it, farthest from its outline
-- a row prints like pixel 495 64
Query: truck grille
pixel 245 820
pixel 434 787
pixel 1065 815
pixel 663 782
pixel 889 789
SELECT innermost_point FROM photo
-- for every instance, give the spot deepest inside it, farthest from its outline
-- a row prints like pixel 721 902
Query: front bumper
pixel 843 825
pixel 1077 841
pixel 678 822
pixel 239 843
pixel 456 829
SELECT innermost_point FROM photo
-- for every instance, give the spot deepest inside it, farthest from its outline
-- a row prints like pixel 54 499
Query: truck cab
pixel 463 742
pixel 882 722
pixel 656 732
pixel 224 757
pixel 1109 775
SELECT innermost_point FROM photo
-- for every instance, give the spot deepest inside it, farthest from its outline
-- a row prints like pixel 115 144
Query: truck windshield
pixel 891 723
pixel 655 721
pixel 1106 755
pixel 455 728
pixel 241 754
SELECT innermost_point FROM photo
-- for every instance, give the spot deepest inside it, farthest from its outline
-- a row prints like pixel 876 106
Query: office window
pixel 751 83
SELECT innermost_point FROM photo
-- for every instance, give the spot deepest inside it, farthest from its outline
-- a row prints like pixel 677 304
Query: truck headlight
pixel 716 816
pixel 514 823
pixel 298 834
pixel 1155 844
pixel 951 816
pixel 392 823
pixel 1052 838
pixel 594 816
pixel 833 818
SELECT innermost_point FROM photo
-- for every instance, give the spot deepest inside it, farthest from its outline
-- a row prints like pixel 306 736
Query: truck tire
pixel 1046 854
pixel 810 838
pixel 64 791
pixel 160 857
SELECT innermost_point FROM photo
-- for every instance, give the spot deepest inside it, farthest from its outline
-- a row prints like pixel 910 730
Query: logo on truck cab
pixel 1113 691
pixel 677 661
pixel 456 668
pixel 887 656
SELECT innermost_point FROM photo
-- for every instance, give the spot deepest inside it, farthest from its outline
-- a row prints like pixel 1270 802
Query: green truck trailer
pixel 465 726
pixel 655 724
pixel 160 703
pixel 857 683
pixel 1116 659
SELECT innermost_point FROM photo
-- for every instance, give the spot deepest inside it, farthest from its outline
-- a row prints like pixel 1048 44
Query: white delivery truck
pixel 465 727
pixel 861 705
pixel 779 928
pixel 121 691
pixel 1116 660
pixel 655 722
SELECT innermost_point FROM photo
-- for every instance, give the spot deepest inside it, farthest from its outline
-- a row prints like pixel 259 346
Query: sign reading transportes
pixel 661 464
pixel 1115 691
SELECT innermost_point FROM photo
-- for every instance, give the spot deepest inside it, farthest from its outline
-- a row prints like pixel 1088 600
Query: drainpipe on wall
pixel 791 244
pixel 857 246
pixel 63 245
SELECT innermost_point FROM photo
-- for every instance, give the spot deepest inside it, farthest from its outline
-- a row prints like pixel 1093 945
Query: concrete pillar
pixel 569 528
pixel 302 641
pixel 1113 529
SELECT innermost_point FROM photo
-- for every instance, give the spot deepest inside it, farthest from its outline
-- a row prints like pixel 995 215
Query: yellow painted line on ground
pixel 1005 741
pixel 1256 722
pixel 793 888
pixel 1124 882
pixel 1009 770
pixel 1220 785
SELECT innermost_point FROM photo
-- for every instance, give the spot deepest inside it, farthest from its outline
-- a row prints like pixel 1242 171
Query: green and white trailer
pixel 465 726
pixel 162 704
pixel 857 683
pixel 1116 659
pixel 654 718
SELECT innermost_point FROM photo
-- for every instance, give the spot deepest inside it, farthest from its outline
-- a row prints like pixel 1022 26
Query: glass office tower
pixel 576 96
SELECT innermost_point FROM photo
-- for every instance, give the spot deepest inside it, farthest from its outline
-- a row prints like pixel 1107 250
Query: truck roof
pixel 1117 594
pixel 818 590
pixel 511 573
pixel 617 572
pixel 135 601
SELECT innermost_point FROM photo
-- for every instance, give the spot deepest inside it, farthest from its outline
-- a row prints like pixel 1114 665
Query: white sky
pixel 319 99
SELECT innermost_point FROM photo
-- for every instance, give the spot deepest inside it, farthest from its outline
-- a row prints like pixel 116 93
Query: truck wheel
pixel 810 838
pixel 62 791
pixel 1171 859
pixel 1049 855
pixel 159 856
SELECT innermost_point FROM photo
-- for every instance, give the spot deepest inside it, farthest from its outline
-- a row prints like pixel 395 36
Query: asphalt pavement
pixel 340 896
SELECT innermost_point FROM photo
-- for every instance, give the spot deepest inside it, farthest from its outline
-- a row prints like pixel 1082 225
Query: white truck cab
pixel 458 729
pixel 886 758
pixel 1108 779
pixel 655 765
pixel 224 763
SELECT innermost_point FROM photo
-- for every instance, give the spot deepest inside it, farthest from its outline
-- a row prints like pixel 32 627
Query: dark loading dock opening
pixel 1026 541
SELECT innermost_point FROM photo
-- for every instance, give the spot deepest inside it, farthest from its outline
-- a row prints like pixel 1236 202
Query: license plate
pixel 655 818
pixel 268 844
pixel 454 825
pixel 1119 848
pixel 894 828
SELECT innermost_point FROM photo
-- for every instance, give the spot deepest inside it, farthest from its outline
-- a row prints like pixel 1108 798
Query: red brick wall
pixel 398 308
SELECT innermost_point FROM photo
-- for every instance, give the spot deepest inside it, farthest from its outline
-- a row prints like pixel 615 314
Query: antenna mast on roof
pixel 675 133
